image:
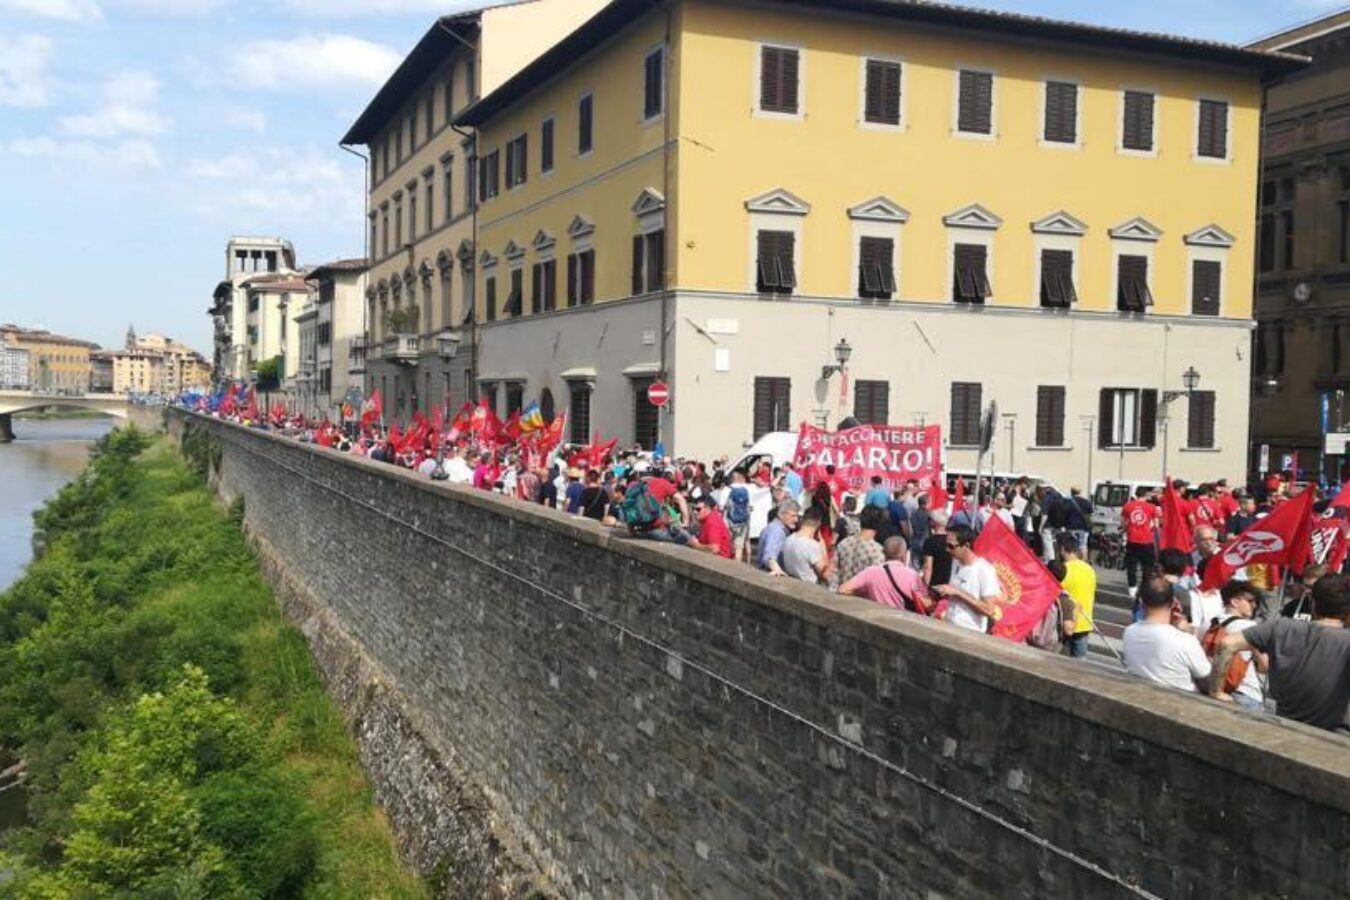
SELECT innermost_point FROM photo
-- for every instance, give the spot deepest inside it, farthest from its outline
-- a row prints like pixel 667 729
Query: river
pixel 43 457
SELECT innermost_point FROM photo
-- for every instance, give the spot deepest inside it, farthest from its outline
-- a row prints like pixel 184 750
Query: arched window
pixel 546 405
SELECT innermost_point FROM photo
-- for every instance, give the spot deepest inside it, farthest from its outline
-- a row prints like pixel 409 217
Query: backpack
pixel 640 510
pixel 1049 631
pixel 1237 668
pixel 738 506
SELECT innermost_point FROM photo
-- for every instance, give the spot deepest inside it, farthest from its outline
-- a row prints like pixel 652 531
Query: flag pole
pixel 1120 659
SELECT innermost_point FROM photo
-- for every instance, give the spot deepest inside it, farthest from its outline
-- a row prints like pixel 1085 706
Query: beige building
pixel 246 259
pixel 56 363
pixel 272 304
pixel 421 194
pixel 339 331
pixel 156 364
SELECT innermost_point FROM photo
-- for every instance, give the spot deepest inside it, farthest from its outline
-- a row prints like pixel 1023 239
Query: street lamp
pixel 1190 380
pixel 842 353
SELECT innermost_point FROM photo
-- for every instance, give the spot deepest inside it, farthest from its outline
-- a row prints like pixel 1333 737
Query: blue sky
pixel 137 135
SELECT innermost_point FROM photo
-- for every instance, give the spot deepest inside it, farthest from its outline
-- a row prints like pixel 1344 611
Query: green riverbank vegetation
pixel 177 740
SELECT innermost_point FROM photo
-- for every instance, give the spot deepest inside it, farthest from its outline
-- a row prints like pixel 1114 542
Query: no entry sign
pixel 658 394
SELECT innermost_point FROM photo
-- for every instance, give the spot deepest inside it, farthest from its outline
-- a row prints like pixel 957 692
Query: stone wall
pixel 550 706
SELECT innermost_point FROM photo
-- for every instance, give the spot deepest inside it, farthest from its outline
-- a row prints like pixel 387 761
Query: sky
pixel 136 136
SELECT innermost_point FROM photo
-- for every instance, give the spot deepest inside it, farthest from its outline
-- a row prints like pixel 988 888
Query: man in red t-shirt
pixel 713 534
pixel 1139 518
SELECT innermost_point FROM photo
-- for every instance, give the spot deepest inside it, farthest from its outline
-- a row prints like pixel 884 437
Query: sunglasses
pixel 951 546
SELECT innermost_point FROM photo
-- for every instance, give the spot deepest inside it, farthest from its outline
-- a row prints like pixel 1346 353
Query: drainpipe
pixel 370 251
pixel 666 256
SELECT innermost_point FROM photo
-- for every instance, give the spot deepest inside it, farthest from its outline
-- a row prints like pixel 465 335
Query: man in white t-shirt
pixel 1161 647
pixel 974 593
pixel 1240 601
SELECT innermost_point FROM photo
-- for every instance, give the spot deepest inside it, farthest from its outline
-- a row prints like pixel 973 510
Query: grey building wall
pixel 626 719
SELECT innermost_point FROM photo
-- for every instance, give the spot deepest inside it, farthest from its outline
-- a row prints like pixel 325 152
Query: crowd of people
pixel 1264 639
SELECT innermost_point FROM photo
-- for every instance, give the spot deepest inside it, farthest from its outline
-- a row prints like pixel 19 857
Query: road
pixel 1112 614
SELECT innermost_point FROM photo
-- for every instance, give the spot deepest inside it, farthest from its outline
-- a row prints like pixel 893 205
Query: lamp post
pixel 447 348
pixel 843 352
pixel 1190 380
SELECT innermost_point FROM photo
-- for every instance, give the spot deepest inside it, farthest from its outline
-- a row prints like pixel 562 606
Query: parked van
pixel 774 449
pixel 1108 497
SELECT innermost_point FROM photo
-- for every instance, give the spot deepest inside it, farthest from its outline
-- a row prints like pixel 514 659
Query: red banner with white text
pixel 895 452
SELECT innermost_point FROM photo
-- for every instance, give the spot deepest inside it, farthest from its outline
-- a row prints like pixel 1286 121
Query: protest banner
pixel 897 453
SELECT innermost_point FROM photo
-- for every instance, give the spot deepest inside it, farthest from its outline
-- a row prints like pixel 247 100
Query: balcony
pixel 400 349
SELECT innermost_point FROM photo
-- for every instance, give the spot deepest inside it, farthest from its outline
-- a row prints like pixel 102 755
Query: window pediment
pixel 648 201
pixel 443 261
pixel 465 252
pixel 580 227
pixel 1136 229
pixel 513 250
pixel 1210 236
pixel 972 216
pixel 1060 222
pixel 543 241
pixel 487 260
pixel 780 201
pixel 879 209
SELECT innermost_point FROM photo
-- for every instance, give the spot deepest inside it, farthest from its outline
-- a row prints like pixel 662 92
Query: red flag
pixel 485 424
pixel 1176 534
pixel 959 498
pixel 937 494
pixel 1328 542
pixel 1028 587
pixel 372 410
pixel 510 430
pixel 251 405
pixel 552 435
pixel 461 424
pixel 1343 498
pixel 1282 538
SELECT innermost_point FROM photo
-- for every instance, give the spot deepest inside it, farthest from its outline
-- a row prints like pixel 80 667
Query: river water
pixel 43 457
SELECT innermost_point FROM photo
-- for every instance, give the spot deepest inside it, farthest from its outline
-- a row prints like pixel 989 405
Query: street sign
pixel 658 394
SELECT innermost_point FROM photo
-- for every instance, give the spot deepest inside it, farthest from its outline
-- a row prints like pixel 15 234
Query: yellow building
pixel 983 206
pixel 56 363
pixel 420 201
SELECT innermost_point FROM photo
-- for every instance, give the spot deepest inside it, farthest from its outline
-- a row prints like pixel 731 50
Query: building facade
pixel 717 194
pixel 155 364
pixel 56 363
pixel 421 195
pixel 14 367
pixel 246 259
pixel 340 344
pixel 1300 407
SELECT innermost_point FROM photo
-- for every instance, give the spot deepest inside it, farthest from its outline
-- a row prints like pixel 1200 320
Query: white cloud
pixel 282 180
pixel 314 61
pixel 129 108
pixel 23 70
pixel 385 7
pixel 82 11
pixel 174 7
pixel 136 154
pixel 245 120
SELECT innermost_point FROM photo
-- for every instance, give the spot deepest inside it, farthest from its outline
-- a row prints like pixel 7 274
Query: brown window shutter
pixel 1050 416
pixel 778 80
pixel 537 288
pixel 585 116
pixel 656 260
pixel 1138 127
pixel 771 405
pixel 572 283
pixel 1061 112
pixel 1200 421
pixel 969 275
pixel 1206 279
pixel 1213 138
pixel 1057 288
pixel 1148 419
pixel 588 277
pixel 1106 411
pixel 1132 277
pixel 551 285
pixel 882 92
pixel 651 105
pixel 546 146
pixel 523 159
pixel 975 103
pixel 490 301
pixel 638 279
pixel 871 402
pixel 965 412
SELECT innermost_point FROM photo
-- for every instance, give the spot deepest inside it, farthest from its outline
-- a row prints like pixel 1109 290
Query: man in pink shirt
pixel 892 583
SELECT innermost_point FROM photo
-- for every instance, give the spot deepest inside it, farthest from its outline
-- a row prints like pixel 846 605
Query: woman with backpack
pixel 737 513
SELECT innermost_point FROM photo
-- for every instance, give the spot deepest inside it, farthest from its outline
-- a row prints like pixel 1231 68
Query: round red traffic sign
pixel 658 394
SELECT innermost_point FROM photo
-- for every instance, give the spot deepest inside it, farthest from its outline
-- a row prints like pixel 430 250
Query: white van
pixel 774 448
pixel 1108 497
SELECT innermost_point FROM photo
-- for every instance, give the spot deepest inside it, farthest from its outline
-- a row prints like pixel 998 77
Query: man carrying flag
pixel 1026 587
pixel 1282 538
pixel 1176 530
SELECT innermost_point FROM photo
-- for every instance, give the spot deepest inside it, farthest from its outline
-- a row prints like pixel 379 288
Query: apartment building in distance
pixel 14 364
pixel 1301 374
pixel 246 259
pixel 422 191
pixel 339 330
pixel 155 364
pixel 977 206
pixel 56 363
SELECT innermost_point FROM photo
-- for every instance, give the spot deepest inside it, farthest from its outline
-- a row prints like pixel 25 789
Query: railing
pixel 401 348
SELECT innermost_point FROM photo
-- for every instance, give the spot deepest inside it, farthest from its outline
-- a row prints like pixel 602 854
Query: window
pixel 517 161
pixel 1343 231
pixel 546 146
pixel 544 285
pixel 777 272
pixel 1200 421
pixel 412 130
pixel 448 188
pixel 649 261
pixel 966 399
pixel 446 315
pixel 881 101
pixel 398 143
pixel 515 300
pixel 970 277
pixel 385 216
pixel 515 397
pixel 778 80
pixel 653 89
pixel 431 106
pixel 645 415
pixel 1206 282
pixel 876 268
pixel 773 410
pixel 581 278
pixel 1057 290
pixel 579 414
pixel 871 402
pixel 586 124
pixel 470 77
pixel 430 187
pixel 398 222
pixel 1050 416
pixel 490 297
pixel 1127 417
pixel 449 97
pixel 412 212
pixel 374 234
pixel 1136 128
pixel 374 164
pixel 1132 293
pixel 1061 112
pixel 389 152
pixel 975 102
pixel 1212 141
pixel 489 172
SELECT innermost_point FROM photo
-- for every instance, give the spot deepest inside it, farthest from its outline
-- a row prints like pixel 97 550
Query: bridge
pixel 21 401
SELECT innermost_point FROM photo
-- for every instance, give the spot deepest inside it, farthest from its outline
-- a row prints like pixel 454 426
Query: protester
pixel 713 534
pixel 974 592
pixel 878 496
pixel 804 556
pixel 1241 678
pixel 1161 647
pixel 775 535
pixel 1080 583
pixel 919 527
pixel 1078 515
pixel 861 550
pixel 1141 519
pixel 1309 662
pixel 890 582
pixel 937 559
